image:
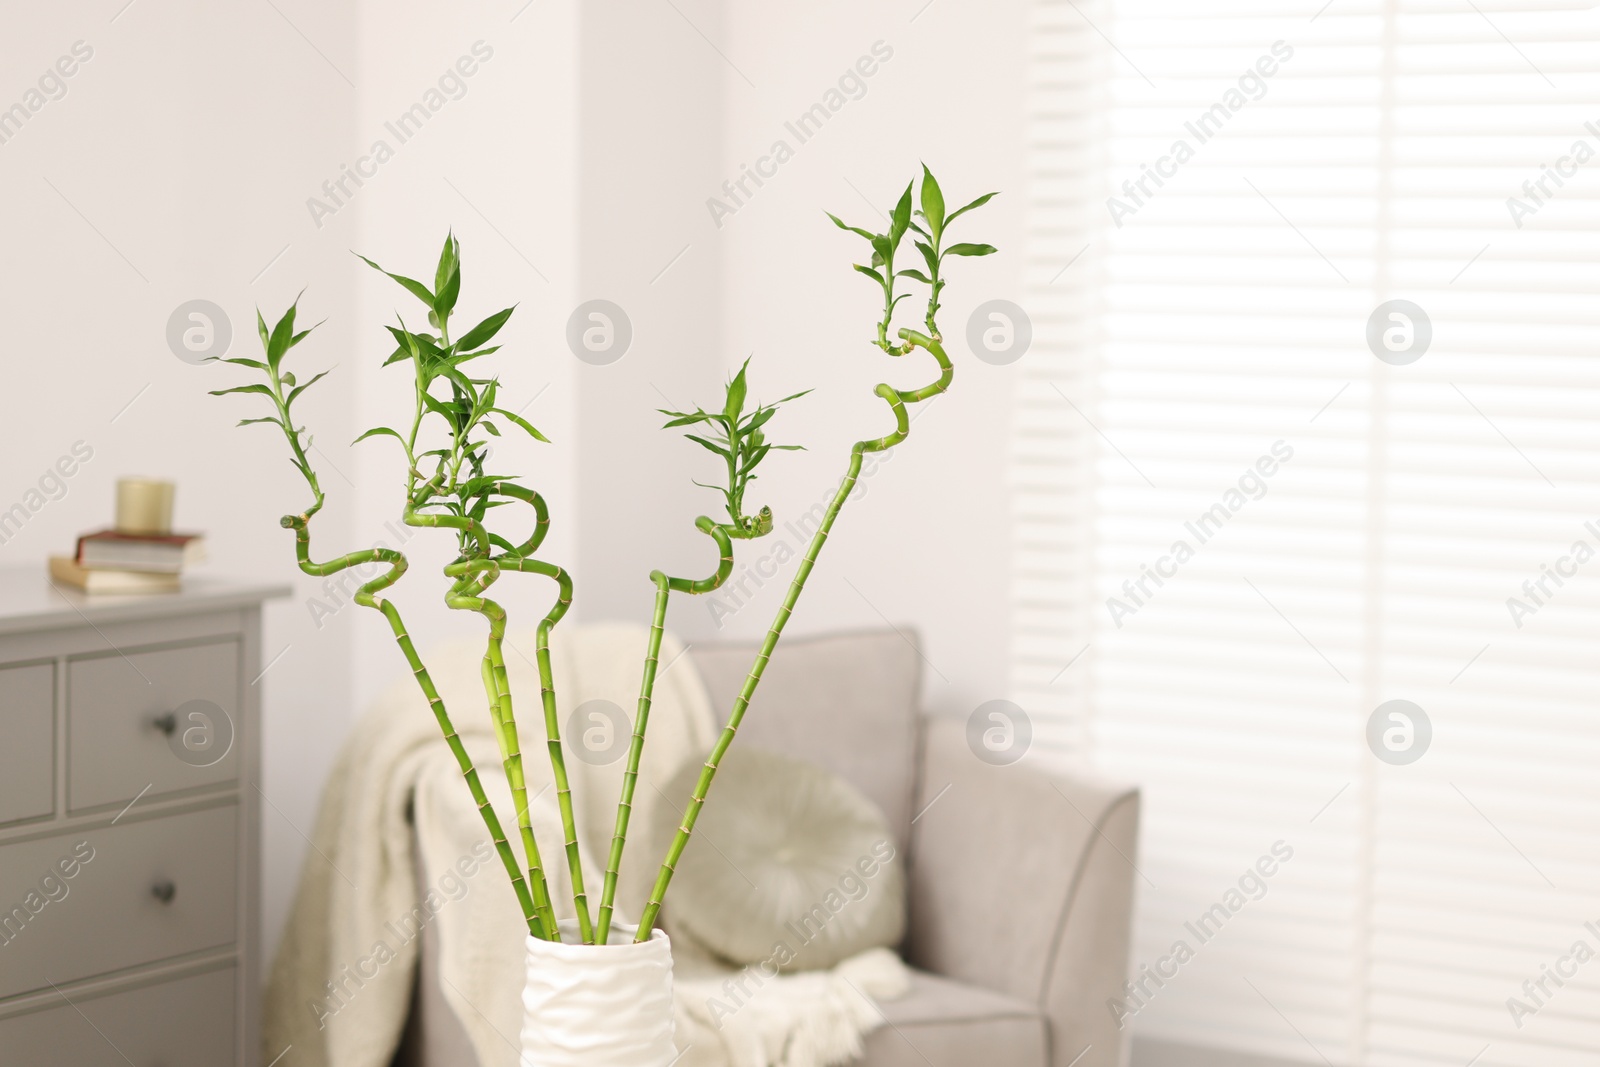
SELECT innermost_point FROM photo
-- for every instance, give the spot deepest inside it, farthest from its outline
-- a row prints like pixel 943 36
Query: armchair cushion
pixel 943 1023
pixel 787 853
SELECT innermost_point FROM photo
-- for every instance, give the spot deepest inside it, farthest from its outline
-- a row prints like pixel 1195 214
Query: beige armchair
pixel 1021 883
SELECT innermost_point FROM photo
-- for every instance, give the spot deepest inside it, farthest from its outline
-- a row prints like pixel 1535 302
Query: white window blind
pixel 1354 531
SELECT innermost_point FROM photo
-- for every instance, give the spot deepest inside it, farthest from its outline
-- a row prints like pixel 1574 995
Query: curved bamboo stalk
pixel 547 689
pixel 471 579
pixel 897 400
pixel 664 589
pixel 365 596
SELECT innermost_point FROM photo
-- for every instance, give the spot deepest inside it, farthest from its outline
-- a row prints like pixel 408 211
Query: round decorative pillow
pixel 789 865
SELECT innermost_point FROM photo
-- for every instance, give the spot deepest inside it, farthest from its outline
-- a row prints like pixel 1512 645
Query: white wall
pixel 651 99
pixel 926 545
pixel 674 103
pixel 498 167
pixel 187 143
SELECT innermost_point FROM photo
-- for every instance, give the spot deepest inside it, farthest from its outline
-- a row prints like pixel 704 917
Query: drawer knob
pixel 164 891
pixel 167 723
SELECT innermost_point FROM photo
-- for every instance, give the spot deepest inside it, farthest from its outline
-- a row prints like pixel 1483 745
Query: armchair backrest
pixel 847 702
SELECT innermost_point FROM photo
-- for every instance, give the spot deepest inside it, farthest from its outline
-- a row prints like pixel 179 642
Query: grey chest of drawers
pixel 129 825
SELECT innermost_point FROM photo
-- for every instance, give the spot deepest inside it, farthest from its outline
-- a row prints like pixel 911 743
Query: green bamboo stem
pixel 530 913
pixel 366 598
pixel 475 576
pixel 547 689
pixel 630 775
pixel 471 578
pixel 897 400
pixel 664 588
pixel 552 725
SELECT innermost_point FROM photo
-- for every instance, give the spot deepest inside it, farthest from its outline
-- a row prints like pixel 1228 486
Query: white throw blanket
pixel 340 986
pixel 740 1018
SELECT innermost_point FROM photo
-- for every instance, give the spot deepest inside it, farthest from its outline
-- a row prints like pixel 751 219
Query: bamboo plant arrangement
pixel 448 487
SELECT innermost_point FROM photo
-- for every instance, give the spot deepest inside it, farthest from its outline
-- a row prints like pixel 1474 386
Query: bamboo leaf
pixel 253 364
pixel 302 388
pixel 427 345
pixel 278 343
pixel 486 329
pixel 869 272
pixel 929 256
pixel 513 417
pixel 901 218
pixel 414 346
pixel 737 390
pixel 412 286
pixel 438 407
pixel 932 202
pixel 261 328
pixel 958 212
pixel 445 302
pixel 754 458
pixel 462 357
pixel 971 250
pixel 460 382
pixel 449 259
pixel 252 422
pixel 703 443
pixel 255 388
pixel 837 221
pixel 915 275
pixel 379 431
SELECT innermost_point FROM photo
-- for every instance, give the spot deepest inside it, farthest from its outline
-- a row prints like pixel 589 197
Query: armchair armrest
pixel 1022 882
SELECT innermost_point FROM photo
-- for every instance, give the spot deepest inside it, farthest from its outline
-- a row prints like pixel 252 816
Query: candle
pixel 144 507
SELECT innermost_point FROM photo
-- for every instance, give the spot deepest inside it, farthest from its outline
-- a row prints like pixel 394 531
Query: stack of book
pixel 111 562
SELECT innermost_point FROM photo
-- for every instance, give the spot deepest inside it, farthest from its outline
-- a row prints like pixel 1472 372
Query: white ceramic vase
pixel 598 1006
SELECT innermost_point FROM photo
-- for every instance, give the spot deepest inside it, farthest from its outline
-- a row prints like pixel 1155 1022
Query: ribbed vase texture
pixel 598 1006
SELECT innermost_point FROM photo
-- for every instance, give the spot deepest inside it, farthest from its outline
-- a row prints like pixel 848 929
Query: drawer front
pixel 183 1023
pixel 28 755
pixel 87 903
pixel 115 707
